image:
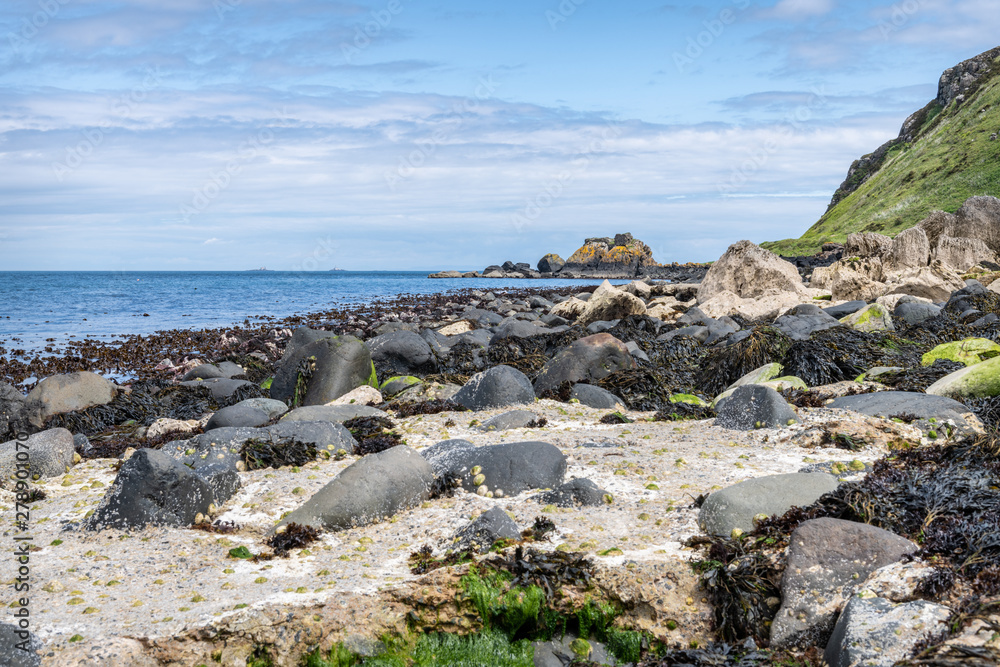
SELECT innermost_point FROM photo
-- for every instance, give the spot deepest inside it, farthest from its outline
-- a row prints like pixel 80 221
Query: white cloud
pixel 799 9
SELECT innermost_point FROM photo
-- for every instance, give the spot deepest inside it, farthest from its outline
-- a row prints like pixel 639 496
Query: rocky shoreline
pixel 777 462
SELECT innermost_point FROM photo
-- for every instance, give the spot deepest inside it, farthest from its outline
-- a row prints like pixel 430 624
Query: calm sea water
pixel 35 306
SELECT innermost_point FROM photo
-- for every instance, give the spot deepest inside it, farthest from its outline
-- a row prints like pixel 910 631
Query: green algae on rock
pixel 969 351
pixel 976 381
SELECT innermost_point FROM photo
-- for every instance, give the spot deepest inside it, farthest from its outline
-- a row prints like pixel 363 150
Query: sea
pixel 36 306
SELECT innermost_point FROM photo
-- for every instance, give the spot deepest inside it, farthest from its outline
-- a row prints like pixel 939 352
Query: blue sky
pixel 423 134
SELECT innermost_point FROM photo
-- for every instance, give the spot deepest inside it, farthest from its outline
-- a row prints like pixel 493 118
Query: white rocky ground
pixel 122 598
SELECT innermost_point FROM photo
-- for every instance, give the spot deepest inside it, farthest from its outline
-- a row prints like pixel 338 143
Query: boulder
pixel 867 244
pixel 595 397
pixel 19 647
pixel 803 321
pixel 827 560
pixel 924 406
pixel 748 271
pixel 48 453
pixel 977 381
pixel 935 282
pixel 874 632
pixel 485 530
pixel 915 313
pixel 842 310
pixel 221 389
pixel 67 393
pixel 401 353
pixel 968 352
pixel 511 328
pixel 978 218
pixel 203 372
pixel 505 469
pixel 370 490
pixel 873 317
pixel 427 391
pixel 737 505
pixel 857 279
pixel 587 359
pixel 241 414
pixel 568 649
pixel 576 493
pixel 331 413
pixel 609 303
pixel 768 306
pixel 962 254
pixel 11 409
pixel 569 309
pixel 508 420
pixel 550 263
pixel 362 395
pixel 497 387
pixel 334 364
pixel 910 248
pixel 754 406
pixel 395 385
pixel 152 489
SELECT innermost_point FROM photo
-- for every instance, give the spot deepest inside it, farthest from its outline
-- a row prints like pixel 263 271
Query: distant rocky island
pixel 623 257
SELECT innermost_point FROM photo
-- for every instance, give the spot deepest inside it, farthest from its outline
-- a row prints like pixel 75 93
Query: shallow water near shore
pixel 38 305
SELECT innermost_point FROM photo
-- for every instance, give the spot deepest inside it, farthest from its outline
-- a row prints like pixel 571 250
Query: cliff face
pixel 623 255
pixel 944 154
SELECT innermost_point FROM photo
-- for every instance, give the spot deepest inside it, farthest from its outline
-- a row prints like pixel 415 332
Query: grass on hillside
pixel 953 159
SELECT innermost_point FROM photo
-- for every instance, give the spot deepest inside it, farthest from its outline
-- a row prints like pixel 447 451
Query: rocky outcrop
pixel 978 218
pixel 749 271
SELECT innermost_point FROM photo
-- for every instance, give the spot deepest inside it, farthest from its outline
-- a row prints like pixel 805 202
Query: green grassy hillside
pixel 951 159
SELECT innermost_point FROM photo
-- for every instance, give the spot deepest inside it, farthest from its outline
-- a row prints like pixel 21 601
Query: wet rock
pixel 874 632
pixel 827 560
pixel 510 467
pixel 488 527
pixel 67 393
pixel 48 453
pixel 575 493
pixel 203 372
pixel 737 505
pixel 749 271
pixel 335 366
pixel 509 420
pixel 969 351
pixel 915 313
pixel 802 321
pixel 698 332
pixel 754 406
pixel 370 490
pixel 874 317
pixel 19 647
pixel 591 359
pixel 152 489
pixel 594 397
pixel 240 414
pixel 331 413
pixel 609 303
pixel 401 353
pixel 497 387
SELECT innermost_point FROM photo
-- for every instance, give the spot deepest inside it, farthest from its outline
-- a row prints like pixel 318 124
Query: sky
pixel 432 134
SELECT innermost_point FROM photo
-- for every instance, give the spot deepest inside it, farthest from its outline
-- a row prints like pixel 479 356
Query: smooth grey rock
pixel 591 359
pixel 636 351
pixel 81 443
pixel 511 328
pixel 574 493
pixel 67 393
pixel 697 331
pixel 843 310
pixel 238 415
pixel 399 384
pixel 874 632
pixel 204 372
pixel 497 387
pixel 511 467
pixel 600 326
pixel 220 388
pixel 19 647
pixel 559 652
pixel 509 420
pixel 915 313
pixel 483 318
pixel 152 489
pixel 717 331
pixel 372 489
pixel 48 453
pixel 272 407
pixel 737 505
pixel 697 316
pixel 827 560
pixel 754 406
pixel 328 436
pixel 595 397
pixel 490 526
pixel 554 320
pixel 924 406
pixel 801 327
pixel 331 413
pixel 401 353
pixel 229 369
pixel 338 365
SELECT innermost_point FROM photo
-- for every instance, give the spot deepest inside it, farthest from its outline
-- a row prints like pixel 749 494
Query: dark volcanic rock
pixel 401 353
pixel 574 493
pixel 490 526
pixel 497 387
pixel 591 358
pixel 510 467
pixel 754 406
pixel 334 367
pixel 595 397
pixel 51 454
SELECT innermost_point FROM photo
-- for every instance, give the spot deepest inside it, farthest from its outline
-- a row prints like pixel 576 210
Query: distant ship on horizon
pixel 337 269
pixel 263 268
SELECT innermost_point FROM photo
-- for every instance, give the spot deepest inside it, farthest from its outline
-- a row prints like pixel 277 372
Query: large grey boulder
pixel 909 249
pixel 220 388
pixel 401 353
pixel 372 489
pixel 48 453
pixel 485 530
pixel 842 310
pixel 587 359
pixel 331 413
pixel 916 312
pixel 19 647
pixel 241 414
pixel 874 632
pixel 748 271
pixel 204 372
pixel 962 254
pixel 574 493
pixel 924 406
pixel 152 489
pixel 335 365
pixel 977 218
pixel 67 393
pixel 510 467
pixel 804 320
pixel 737 505
pixel 595 397
pixel 496 387
pixel 610 303
pixel 827 560
pixel 754 406
pixel 508 420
